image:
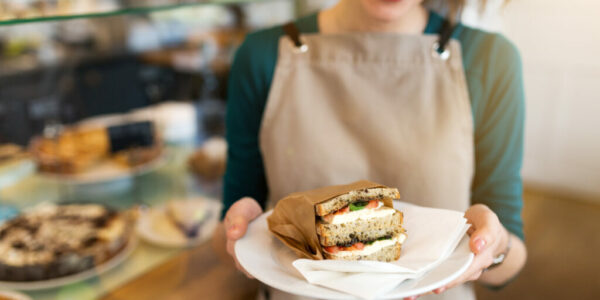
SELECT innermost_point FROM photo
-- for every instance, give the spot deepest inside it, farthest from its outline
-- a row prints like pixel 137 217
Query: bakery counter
pixel 197 273
pixel 168 180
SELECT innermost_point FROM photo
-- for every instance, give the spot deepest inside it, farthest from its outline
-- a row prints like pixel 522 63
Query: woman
pixel 387 91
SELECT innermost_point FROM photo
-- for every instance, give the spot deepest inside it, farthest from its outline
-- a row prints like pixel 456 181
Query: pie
pixel 52 241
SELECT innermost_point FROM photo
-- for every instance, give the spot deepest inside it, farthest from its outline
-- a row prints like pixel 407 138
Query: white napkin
pixel 433 234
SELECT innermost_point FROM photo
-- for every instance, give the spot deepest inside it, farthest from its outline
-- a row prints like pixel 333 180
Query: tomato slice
pixel 328 218
pixel 358 246
pixel 336 249
pixel 332 249
pixel 343 210
pixel 373 204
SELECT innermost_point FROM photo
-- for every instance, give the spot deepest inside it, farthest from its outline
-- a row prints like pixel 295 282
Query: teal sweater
pixel 493 72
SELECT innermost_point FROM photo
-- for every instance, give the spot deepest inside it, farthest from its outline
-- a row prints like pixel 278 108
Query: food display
pixel 79 149
pixel 180 223
pixel 10 295
pixel 209 161
pixel 73 151
pixel 358 226
pixel 10 153
pixel 187 216
pixel 15 164
pixel 17 9
pixel 52 241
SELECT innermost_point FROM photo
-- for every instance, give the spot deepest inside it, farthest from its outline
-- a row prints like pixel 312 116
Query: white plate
pixel 270 261
pixel 81 276
pixel 155 227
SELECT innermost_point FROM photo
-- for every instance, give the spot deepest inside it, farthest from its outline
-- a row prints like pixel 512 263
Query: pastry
pixel 210 160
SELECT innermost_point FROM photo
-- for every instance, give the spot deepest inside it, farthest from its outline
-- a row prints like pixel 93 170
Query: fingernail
pixel 479 244
pixel 440 290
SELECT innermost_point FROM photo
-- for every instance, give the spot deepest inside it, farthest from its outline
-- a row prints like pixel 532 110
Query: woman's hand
pixel 237 218
pixel 488 238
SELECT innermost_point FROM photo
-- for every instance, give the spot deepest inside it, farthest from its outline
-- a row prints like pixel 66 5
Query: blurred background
pixel 69 68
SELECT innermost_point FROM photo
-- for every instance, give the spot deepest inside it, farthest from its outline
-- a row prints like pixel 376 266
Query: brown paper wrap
pixel 293 219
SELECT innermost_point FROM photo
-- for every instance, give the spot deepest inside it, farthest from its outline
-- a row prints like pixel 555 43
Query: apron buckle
pixel 294 34
pixel 303 48
pixel 435 52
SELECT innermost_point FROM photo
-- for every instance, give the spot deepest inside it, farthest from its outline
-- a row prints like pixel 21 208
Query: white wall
pixel 559 42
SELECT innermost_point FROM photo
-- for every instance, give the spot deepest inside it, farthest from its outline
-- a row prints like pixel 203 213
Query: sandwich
pixel 359 226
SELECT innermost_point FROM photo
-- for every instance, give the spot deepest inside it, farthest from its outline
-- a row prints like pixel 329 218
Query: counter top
pixel 196 273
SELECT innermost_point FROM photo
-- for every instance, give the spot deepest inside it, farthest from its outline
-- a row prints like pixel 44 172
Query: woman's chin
pixel 389 10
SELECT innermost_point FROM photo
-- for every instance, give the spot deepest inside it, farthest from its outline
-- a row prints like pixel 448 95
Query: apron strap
pixel 293 33
pixel 439 48
pixel 445 35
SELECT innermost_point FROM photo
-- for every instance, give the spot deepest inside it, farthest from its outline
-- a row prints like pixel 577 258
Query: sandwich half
pixel 358 226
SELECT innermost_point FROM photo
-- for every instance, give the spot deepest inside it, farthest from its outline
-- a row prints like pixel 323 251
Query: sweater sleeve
pixel 246 95
pixel 499 136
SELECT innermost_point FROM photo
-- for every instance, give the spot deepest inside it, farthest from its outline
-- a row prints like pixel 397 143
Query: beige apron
pixel 382 107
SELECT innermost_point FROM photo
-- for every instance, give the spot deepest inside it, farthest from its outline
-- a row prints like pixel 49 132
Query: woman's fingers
pixel 239 215
pixel 417 296
pixel 485 232
pixel 230 247
pixel 485 227
pixel 472 269
pixel 231 250
pixel 236 222
pixel 239 267
pixel 475 276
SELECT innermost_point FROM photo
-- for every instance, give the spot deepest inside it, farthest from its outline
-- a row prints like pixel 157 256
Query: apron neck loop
pixel 445 34
pixel 293 33
pixel 291 30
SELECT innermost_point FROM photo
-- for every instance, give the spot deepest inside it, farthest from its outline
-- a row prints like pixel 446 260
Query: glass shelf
pixel 15 12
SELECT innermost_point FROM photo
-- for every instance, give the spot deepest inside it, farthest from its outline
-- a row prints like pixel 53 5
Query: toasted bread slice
pixel 359 230
pixel 336 203
pixel 387 254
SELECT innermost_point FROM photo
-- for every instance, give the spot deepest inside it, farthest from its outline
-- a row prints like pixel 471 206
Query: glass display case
pixel 68 65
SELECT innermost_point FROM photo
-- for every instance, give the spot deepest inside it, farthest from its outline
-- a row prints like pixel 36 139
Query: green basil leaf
pixel 358 205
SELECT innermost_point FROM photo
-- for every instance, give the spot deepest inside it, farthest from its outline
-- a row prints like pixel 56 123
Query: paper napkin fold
pixel 433 234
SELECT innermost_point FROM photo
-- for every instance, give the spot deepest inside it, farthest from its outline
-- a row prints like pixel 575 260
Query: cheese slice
pixel 365 213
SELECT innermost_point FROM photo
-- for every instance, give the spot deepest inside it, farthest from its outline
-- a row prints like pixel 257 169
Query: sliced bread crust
pixel 359 230
pixel 340 201
pixel 387 254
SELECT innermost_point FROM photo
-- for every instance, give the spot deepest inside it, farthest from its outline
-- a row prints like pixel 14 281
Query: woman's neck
pixel 348 16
